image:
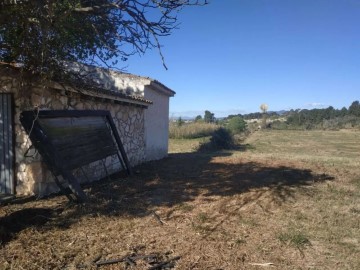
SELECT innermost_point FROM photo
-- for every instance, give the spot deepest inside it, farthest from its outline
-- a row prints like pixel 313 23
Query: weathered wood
pixel 119 143
pixel 99 263
pixel 6 145
pixel 128 259
pixel 71 139
pixel 62 189
pixel 74 186
pixel 2 150
pixel 160 265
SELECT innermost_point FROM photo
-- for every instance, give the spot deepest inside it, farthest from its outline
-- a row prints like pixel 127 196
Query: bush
pixel 220 139
pixel 236 125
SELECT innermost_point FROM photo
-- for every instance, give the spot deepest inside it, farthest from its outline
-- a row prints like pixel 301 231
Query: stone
pixel 64 101
pixel 56 104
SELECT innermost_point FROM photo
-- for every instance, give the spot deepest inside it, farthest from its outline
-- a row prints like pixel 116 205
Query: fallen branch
pixel 262 264
pixel 160 265
pixel 128 259
pixel 158 219
pixel 111 261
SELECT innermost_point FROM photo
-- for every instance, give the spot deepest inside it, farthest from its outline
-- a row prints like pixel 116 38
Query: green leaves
pixel 42 34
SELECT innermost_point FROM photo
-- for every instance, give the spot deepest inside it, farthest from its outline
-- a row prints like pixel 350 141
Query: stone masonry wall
pixel 31 173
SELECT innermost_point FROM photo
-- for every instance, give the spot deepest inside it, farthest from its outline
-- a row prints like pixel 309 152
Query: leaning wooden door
pixel 6 145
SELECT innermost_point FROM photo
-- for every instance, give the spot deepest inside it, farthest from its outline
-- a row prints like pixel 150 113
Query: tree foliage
pixel 354 108
pixel 264 107
pixel 198 118
pixel 328 118
pixel 209 117
pixel 236 125
pixel 41 34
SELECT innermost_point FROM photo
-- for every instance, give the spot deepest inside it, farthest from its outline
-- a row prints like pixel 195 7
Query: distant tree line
pixel 328 118
pixel 256 115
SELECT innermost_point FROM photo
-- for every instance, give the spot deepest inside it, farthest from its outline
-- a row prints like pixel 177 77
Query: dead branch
pixel 160 265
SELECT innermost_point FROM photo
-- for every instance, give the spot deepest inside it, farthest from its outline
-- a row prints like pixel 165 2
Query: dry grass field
pixel 283 200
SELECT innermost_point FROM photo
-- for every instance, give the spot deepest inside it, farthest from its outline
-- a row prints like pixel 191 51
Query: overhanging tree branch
pixel 83 30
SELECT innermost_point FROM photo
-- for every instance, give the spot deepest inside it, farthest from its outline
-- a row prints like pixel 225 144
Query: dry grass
pixel 186 146
pixel 292 199
pixel 191 130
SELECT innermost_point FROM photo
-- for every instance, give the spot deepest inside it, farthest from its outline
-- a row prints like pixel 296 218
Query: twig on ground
pixel 157 217
pixel 262 264
pixel 128 259
pixel 160 265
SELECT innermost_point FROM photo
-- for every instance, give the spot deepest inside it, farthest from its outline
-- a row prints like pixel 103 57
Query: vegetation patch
pixel 292 201
pixel 294 238
pixel 180 130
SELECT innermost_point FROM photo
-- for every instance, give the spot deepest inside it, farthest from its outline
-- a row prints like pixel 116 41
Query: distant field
pixel 285 199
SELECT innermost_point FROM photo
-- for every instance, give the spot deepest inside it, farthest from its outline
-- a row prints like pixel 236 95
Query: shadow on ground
pixel 175 180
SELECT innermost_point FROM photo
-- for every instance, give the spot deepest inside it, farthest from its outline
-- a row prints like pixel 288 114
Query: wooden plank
pixel 11 158
pixel 6 164
pixel 119 143
pixel 74 185
pixel 2 153
pixel 6 145
pixel 70 139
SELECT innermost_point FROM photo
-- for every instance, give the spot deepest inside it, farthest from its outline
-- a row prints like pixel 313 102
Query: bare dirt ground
pixel 284 200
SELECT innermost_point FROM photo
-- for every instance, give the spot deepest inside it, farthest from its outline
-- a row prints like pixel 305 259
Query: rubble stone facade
pixel 31 174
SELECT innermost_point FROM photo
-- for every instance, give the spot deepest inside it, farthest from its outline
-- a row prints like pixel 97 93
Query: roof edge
pixel 102 94
pixel 158 86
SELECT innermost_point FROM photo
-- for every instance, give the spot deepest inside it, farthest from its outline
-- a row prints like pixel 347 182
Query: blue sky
pixel 233 55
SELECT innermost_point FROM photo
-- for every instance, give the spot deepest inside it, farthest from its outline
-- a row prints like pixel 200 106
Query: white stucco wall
pixel 156 124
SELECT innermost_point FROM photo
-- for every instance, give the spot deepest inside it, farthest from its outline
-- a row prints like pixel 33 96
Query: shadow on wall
pixel 173 181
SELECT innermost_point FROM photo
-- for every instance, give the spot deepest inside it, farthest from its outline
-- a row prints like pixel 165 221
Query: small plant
pixel 240 241
pixel 295 239
pixel 185 207
pixel 203 217
pixel 201 228
pixel 354 210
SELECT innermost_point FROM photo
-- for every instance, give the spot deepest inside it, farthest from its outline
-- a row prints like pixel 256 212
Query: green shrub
pixel 236 125
pixel 220 139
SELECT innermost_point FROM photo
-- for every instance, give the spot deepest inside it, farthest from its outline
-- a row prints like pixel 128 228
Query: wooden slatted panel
pixel 79 140
pixel 6 145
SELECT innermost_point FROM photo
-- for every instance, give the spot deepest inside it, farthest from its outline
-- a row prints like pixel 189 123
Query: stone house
pixel 138 105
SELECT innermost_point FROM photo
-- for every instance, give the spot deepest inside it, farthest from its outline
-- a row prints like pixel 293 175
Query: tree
pixel 237 125
pixel 343 112
pixel 42 34
pixel 354 108
pixel 198 118
pixel 264 107
pixel 209 117
pixel 179 122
